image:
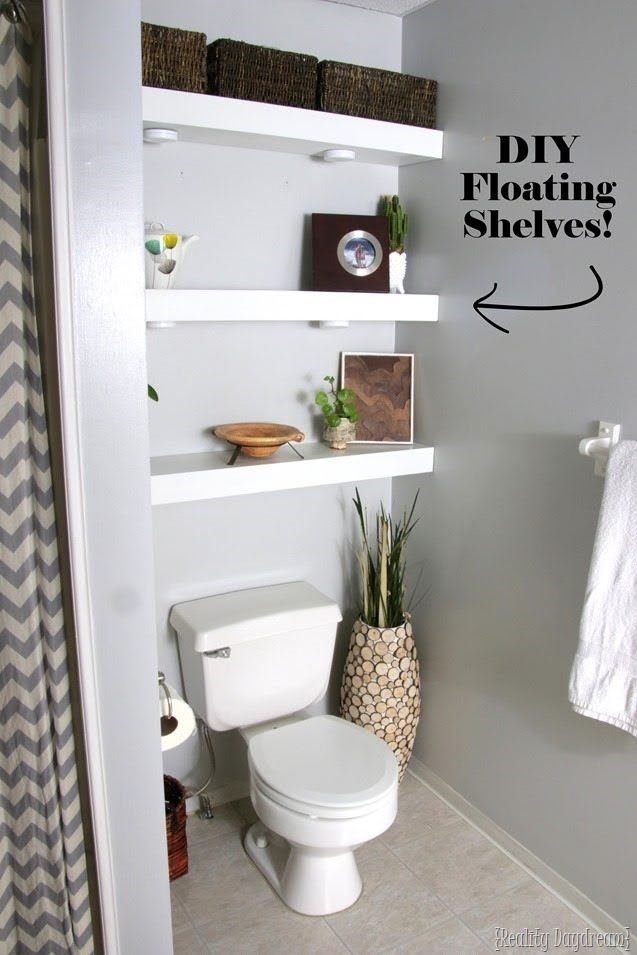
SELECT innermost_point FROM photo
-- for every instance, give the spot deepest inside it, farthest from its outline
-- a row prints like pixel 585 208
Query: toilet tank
pixel 255 655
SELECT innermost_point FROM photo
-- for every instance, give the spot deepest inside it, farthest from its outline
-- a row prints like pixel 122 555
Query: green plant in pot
pixel 398 225
pixel 340 414
pixel 381 678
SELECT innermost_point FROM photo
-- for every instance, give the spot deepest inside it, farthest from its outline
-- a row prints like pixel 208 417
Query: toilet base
pixel 309 881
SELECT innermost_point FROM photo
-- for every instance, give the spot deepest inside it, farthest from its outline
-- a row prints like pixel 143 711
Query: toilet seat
pixel 323 767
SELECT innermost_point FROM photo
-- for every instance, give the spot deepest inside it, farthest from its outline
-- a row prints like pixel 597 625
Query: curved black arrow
pixel 481 303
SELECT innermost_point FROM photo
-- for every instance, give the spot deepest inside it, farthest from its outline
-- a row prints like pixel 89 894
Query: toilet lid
pixel 324 761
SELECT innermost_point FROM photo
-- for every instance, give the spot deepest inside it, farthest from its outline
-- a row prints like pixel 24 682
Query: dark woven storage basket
pixel 376 94
pixel 244 71
pixel 173 59
pixel 175 803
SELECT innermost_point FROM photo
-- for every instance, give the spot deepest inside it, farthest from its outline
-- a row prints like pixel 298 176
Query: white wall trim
pixel 542 873
pixel 59 125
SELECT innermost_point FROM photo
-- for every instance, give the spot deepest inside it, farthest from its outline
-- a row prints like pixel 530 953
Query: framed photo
pixel 384 389
pixel 350 253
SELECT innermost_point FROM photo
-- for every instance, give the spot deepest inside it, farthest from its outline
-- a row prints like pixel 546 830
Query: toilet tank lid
pixel 225 620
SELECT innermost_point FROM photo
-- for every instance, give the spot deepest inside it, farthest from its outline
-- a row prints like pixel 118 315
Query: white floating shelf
pixel 197 477
pixel 237 305
pixel 218 120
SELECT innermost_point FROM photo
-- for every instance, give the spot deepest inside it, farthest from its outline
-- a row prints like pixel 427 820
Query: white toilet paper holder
pixel 167 722
pixel 177 719
pixel 599 448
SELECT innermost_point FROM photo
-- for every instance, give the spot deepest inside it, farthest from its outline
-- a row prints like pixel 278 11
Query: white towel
pixel 603 682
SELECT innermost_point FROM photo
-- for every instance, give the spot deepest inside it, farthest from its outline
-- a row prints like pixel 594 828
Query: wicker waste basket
pixel 175 804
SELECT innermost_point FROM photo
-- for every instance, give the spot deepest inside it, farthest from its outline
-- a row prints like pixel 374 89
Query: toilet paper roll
pixel 182 726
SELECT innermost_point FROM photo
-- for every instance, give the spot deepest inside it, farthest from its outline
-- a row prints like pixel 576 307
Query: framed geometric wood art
pixel 384 389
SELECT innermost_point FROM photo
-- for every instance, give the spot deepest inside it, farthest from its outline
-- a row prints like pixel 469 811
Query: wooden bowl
pixel 258 439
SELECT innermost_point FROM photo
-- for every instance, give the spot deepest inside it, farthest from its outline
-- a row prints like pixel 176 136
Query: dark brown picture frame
pixel 350 253
pixel 384 389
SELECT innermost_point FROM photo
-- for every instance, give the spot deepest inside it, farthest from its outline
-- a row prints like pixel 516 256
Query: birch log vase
pixel 381 686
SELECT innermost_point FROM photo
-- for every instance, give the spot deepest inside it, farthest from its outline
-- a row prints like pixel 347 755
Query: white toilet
pixel 320 786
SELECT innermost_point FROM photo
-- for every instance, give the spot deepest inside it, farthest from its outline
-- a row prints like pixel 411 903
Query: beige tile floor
pixel 432 884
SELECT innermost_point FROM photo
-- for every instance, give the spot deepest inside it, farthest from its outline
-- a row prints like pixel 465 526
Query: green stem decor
pixel 382 564
pixel 398 223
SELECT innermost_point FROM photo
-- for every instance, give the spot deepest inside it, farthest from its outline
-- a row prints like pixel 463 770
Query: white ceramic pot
pixel 397 270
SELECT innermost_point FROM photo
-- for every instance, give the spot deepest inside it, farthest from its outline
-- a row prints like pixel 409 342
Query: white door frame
pixel 94 99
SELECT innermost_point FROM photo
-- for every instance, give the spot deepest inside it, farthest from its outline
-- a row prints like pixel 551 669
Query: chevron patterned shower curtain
pixel 44 901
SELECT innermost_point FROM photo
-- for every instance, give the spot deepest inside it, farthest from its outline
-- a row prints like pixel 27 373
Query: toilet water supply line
pixel 204 731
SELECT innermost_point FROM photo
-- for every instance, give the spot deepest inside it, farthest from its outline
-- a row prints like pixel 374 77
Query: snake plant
pixel 382 564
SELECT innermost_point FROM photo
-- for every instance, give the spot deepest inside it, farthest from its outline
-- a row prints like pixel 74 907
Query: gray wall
pixel 509 515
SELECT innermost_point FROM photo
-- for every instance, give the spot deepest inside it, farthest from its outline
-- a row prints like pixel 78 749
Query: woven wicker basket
pixel 173 59
pixel 376 94
pixel 175 803
pixel 244 71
